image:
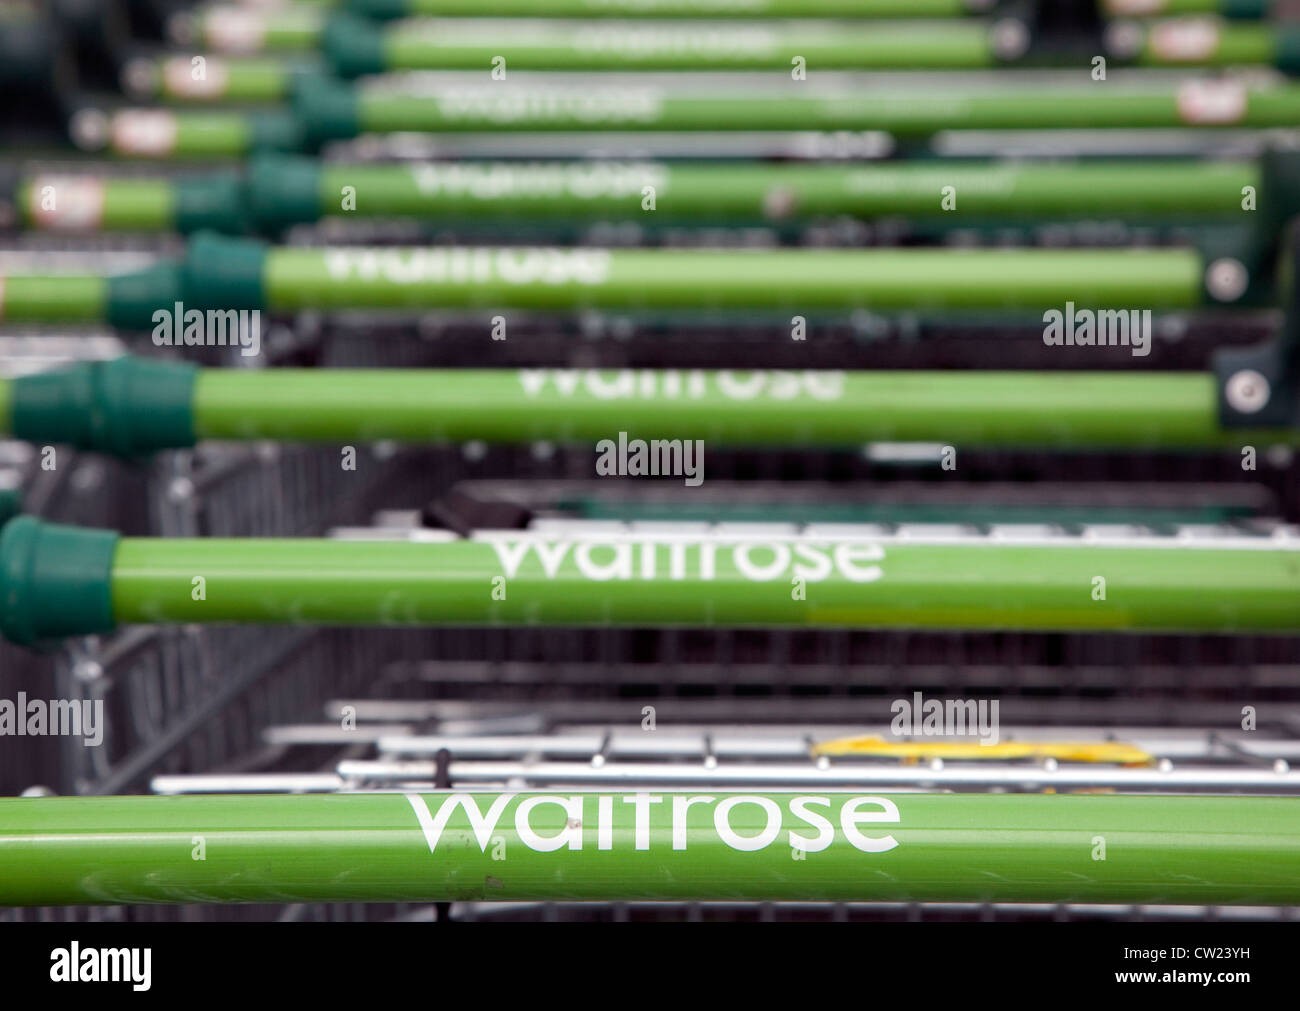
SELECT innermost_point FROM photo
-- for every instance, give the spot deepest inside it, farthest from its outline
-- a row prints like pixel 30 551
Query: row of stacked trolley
pixel 961 578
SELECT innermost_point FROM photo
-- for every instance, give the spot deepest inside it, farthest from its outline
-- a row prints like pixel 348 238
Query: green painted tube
pixel 1172 44
pixel 669 846
pixel 229 29
pixel 774 191
pixel 1207 42
pixel 165 133
pixel 64 298
pixel 387 9
pixel 59 581
pixel 135 406
pixel 325 110
pixel 765 408
pixel 223 274
pixel 330 112
pixel 665 8
pixel 278 191
pixel 752 192
pixel 631 583
pixel 354 47
pixel 565 279
pixel 89 203
pixel 234 80
pixel 211 134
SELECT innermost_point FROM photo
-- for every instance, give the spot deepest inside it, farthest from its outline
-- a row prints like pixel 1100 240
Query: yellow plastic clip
pixel 1105 752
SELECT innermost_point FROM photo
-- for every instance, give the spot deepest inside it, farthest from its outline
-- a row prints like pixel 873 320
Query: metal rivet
pixel 87 670
pixel 1009 38
pixel 1124 39
pixel 779 202
pixel 89 129
pixel 139 78
pixel 181 28
pixel 180 489
pixel 1279 456
pixel 1226 279
pixel 1246 391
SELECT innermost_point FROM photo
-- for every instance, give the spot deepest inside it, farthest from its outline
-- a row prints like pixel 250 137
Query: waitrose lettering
pixel 496 180
pixel 743 822
pixel 465 265
pixel 605 559
pixel 688 384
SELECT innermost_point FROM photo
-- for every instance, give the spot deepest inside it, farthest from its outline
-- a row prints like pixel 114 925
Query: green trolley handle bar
pixel 354 46
pixel 302 27
pixel 384 9
pixel 1202 42
pixel 210 133
pixel 277 191
pixel 133 406
pixel 330 110
pixel 227 27
pixel 668 8
pixel 235 80
pixel 57 581
pixel 220 274
pixel 764 8
pixel 324 109
pixel 706 845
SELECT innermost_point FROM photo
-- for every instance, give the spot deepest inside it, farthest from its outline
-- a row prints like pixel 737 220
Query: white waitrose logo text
pixel 604 559
pixel 503 104
pixel 648 40
pixel 669 812
pixel 464 265
pixel 692 384
pixel 539 179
